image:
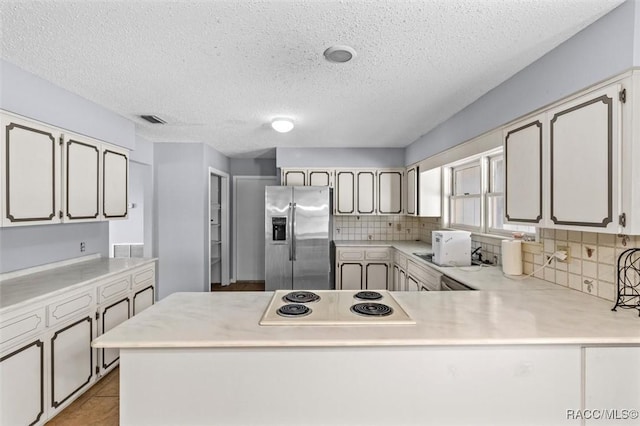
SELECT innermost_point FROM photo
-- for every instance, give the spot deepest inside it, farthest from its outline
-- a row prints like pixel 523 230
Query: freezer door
pixel 311 238
pixel 278 248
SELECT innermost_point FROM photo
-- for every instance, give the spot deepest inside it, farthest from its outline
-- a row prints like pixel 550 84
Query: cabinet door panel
pixel 390 192
pixel 82 180
pixel 402 285
pixel 143 299
pixel 351 276
pixel 22 385
pixel 345 192
pixel 366 192
pixel 377 276
pixel 412 191
pixel 523 171
pixel 294 178
pixel 319 178
pixel 31 180
pixel 412 284
pixel 115 171
pixel 113 315
pixel 584 135
pixel 71 360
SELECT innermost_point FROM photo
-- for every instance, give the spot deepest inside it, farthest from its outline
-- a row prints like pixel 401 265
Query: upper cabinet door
pixel 412 191
pixel 294 178
pixel 345 192
pixel 81 179
pixel 30 180
pixel 523 151
pixel 115 176
pixel 366 192
pixel 584 145
pixel 319 178
pixel 390 192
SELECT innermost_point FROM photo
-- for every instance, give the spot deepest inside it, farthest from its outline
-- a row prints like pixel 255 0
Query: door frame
pixel 224 227
pixel 235 215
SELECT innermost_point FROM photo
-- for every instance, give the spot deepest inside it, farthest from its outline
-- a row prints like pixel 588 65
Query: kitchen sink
pixel 425 256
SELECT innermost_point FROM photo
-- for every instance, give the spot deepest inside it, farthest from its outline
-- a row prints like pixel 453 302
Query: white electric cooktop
pixel 334 307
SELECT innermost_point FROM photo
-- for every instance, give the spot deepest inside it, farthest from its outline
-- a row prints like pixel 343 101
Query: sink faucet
pixel 478 253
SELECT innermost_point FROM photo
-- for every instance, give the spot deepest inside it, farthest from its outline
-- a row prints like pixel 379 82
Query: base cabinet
pixel 142 299
pixel 109 316
pixel 358 268
pixel 22 389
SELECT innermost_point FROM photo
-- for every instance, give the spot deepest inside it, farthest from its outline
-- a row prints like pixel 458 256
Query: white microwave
pixel 451 248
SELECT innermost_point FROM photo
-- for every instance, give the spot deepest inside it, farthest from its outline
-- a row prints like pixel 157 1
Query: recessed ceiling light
pixel 282 125
pixel 339 54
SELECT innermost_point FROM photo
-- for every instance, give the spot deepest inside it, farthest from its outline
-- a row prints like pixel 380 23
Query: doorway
pixel 218 225
pixel 248 227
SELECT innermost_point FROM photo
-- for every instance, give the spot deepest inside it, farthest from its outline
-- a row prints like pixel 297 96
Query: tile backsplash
pixel 381 228
pixel 592 269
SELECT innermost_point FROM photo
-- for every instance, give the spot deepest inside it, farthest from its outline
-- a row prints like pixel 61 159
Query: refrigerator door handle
pixel 293 230
pixel 290 230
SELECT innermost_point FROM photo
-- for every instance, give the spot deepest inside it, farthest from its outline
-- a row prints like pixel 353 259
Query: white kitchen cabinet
pixel 584 150
pixel 30 178
pixel 71 361
pixel 430 192
pixel 345 191
pixel 307 177
pixel 143 298
pixel 115 182
pixel 111 314
pixel 422 276
pixel 360 268
pixel 612 379
pixel 22 384
pixel 365 192
pixel 350 276
pixel 377 276
pixel 412 284
pixel 399 278
pixel 81 178
pixel 412 191
pixel 390 192
pixel 523 153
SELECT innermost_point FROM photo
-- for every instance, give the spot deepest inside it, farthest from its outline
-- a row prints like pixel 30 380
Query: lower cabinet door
pixel 377 276
pixel 22 384
pixel 350 276
pixel 111 315
pixel 412 284
pixel 71 360
pixel 142 299
pixel 402 284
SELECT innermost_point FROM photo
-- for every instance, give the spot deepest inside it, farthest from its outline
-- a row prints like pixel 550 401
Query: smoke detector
pixel 339 54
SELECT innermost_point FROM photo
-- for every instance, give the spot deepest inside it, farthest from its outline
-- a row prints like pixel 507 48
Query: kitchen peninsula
pixel 475 357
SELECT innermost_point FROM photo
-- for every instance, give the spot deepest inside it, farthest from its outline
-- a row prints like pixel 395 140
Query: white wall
pixel 598 52
pixel 181 214
pixel 340 157
pixel 24 93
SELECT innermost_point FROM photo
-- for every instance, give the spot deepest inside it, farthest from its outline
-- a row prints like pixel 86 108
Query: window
pixel 476 201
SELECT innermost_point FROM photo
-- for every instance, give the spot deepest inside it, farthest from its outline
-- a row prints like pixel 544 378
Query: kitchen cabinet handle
pixel 290 217
pixel 293 231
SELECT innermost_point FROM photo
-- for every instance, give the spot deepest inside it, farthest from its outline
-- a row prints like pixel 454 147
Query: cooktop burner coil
pixel 371 309
pixel 293 310
pixel 368 295
pixel 301 297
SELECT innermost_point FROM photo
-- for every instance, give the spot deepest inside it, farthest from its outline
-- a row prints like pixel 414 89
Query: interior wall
pixel 28 95
pixel 602 50
pixel 340 157
pixel 181 235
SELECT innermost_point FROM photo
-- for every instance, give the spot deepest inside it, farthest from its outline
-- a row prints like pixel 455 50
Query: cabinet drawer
pixel 113 288
pixel 143 276
pixel 351 254
pixel 66 308
pixel 22 326
pixel 426 275
pixel 377 254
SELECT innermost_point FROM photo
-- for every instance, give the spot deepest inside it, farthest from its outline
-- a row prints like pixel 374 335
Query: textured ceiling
pixel 219 71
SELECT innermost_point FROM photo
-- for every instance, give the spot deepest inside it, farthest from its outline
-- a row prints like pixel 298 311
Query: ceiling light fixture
pixel 339 54
pixel 282 125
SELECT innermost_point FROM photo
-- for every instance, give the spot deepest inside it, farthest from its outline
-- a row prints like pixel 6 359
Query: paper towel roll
pixel 512 257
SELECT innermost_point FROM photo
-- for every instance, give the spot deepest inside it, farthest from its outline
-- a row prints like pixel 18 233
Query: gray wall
pixel 600 51
pixel 252 166
pixel 340 157
pixel 181 214
pixel 24 93
pixel 26 246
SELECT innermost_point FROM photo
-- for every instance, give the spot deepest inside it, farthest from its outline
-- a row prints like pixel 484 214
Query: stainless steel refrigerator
pixel 298 246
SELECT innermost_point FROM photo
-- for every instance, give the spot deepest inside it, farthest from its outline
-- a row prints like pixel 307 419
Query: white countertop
pixel 230 319
pixel 50 280
pixel 477 277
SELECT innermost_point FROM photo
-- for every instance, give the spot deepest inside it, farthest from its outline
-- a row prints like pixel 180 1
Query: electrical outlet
pixel 567 250
pixel 83 246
